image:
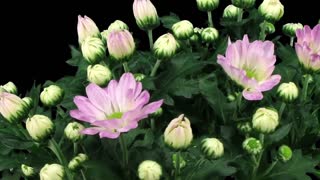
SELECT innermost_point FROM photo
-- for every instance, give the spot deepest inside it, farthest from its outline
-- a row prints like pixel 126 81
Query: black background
pixel 35 36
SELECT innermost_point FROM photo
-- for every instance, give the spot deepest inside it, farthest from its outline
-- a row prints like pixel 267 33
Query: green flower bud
pixel 252 146
pixel 231 97
pixel 27 170
pixel 182 162
pixel 308 77
pixel 209 35
pixel 52 95
pixel 207 5
pixel 212 148
pixel 10 88
pixel 284 153
pixel 28 102
pixel 93 50
pixel 77 161
pixel 268 27
pixel 243 4
pixel 290 29
pixel 158 113
pixel 118 25
pixel 178 134
pixel 39 127
pixel 196 35
pixel 99 74
pixel 183 29
pixel 288 92
pixel 52 172
pixel 244 127
pixel 145 14
pixel 265 120
pixel 271 10
pixel 12 107
pixel 165 46
pixel 72 131
pixel 139 77
pixel 231 12
pixel 149 170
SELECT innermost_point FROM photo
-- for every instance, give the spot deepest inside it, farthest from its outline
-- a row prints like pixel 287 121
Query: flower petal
pixel 269 83
pixel 252 95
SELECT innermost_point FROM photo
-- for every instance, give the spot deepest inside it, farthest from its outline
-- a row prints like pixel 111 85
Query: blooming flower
pixel 308 47
pixel 114 109
pixel 250 65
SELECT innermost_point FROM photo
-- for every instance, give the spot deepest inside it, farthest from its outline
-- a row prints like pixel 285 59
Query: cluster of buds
pixel 149 170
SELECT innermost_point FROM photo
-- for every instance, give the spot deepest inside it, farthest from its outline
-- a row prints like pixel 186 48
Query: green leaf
pixel 76 57
pixel 185 88
pixel 168 21
pixel 296 168
pixel 147 141
pixel 12 141
pixel 279 134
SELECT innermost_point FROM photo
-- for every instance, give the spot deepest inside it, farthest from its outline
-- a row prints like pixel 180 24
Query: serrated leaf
pixel 12 141
pixel 76 57
pixel 168 21
pixel 296 168
pixel 185 88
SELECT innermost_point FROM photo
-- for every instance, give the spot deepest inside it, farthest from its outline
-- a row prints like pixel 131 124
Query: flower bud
pixel 183 30
pixel 271 10
pixel 231 12
pixel 77 161
pixel 139 77
pixel 288 92
pixel 243 4
pixel 72 131
pixel 51 95
pixel 86 28
pixel 165 46
pixel 265 120
pixel 158 113
pixel 284 153
pixel 145 14
pixel 182 162
pixel 244 127
pixel 290 29
pixel 196 35
pixel 207 5
pixel 39 127
pixel 28 102
pixel 178 134
pixel 27 170
pixel 99 74
pixel 12 107
pixel 252 146
pixel 10 88
pixel 212 148
pixel 118 25
pixel 120 44
pixel 209 35
pixel 52 172
pixel 93 50
pixel 267 27
pixel 148 170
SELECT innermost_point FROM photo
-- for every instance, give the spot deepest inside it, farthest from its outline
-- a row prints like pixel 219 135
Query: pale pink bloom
pixel 251 65
pixel 12 107
pixel 308 47
pixel 145 14
pixel 120 44
pixel 115 109
pixel 86 28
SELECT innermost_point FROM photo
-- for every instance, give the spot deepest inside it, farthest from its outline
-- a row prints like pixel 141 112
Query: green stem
pixel 150 37
pixel 125 67
pixel 54 147
pixel 270 168
pixel 125 159
pixel 196 167
pixel 240 14
pixel 257 164
pixel 155 68
pixel 152 124
pixel 305 88
pixel 282 107
pixel 75 149
pixel 83 175
pixel 177 167
pixel 291 41
pixel 262 34
pixel 210 19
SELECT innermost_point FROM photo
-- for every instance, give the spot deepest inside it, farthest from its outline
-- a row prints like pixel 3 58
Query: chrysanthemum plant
pixel 148 114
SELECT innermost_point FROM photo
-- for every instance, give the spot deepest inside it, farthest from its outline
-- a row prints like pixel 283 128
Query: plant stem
pixel 125 67
pixel 270 168
pixel 152 124
pixel 125 159
pixel 256 166
pixel 282 107
pixel 83 175
pixel 177 167
pixel 150 37
pixel 210 19
pixel 239 17
pixel 155 68
pixel 291 41
pixel 75 149
pixel 54 147
pixel 262 34
pixel 305 88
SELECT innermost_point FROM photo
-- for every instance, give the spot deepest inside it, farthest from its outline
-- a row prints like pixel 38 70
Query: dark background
pixel 35 36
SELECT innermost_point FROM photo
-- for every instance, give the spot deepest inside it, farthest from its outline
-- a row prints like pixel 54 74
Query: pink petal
pixel 108 134
pixel 85 106
pixel 269 83
pixel 252 95
pixel 76 114
pixel 91 131
pixel 98 97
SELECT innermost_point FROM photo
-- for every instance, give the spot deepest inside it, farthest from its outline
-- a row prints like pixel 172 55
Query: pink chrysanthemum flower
pixel 251 65
pixel 308 47
pixel 115 109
